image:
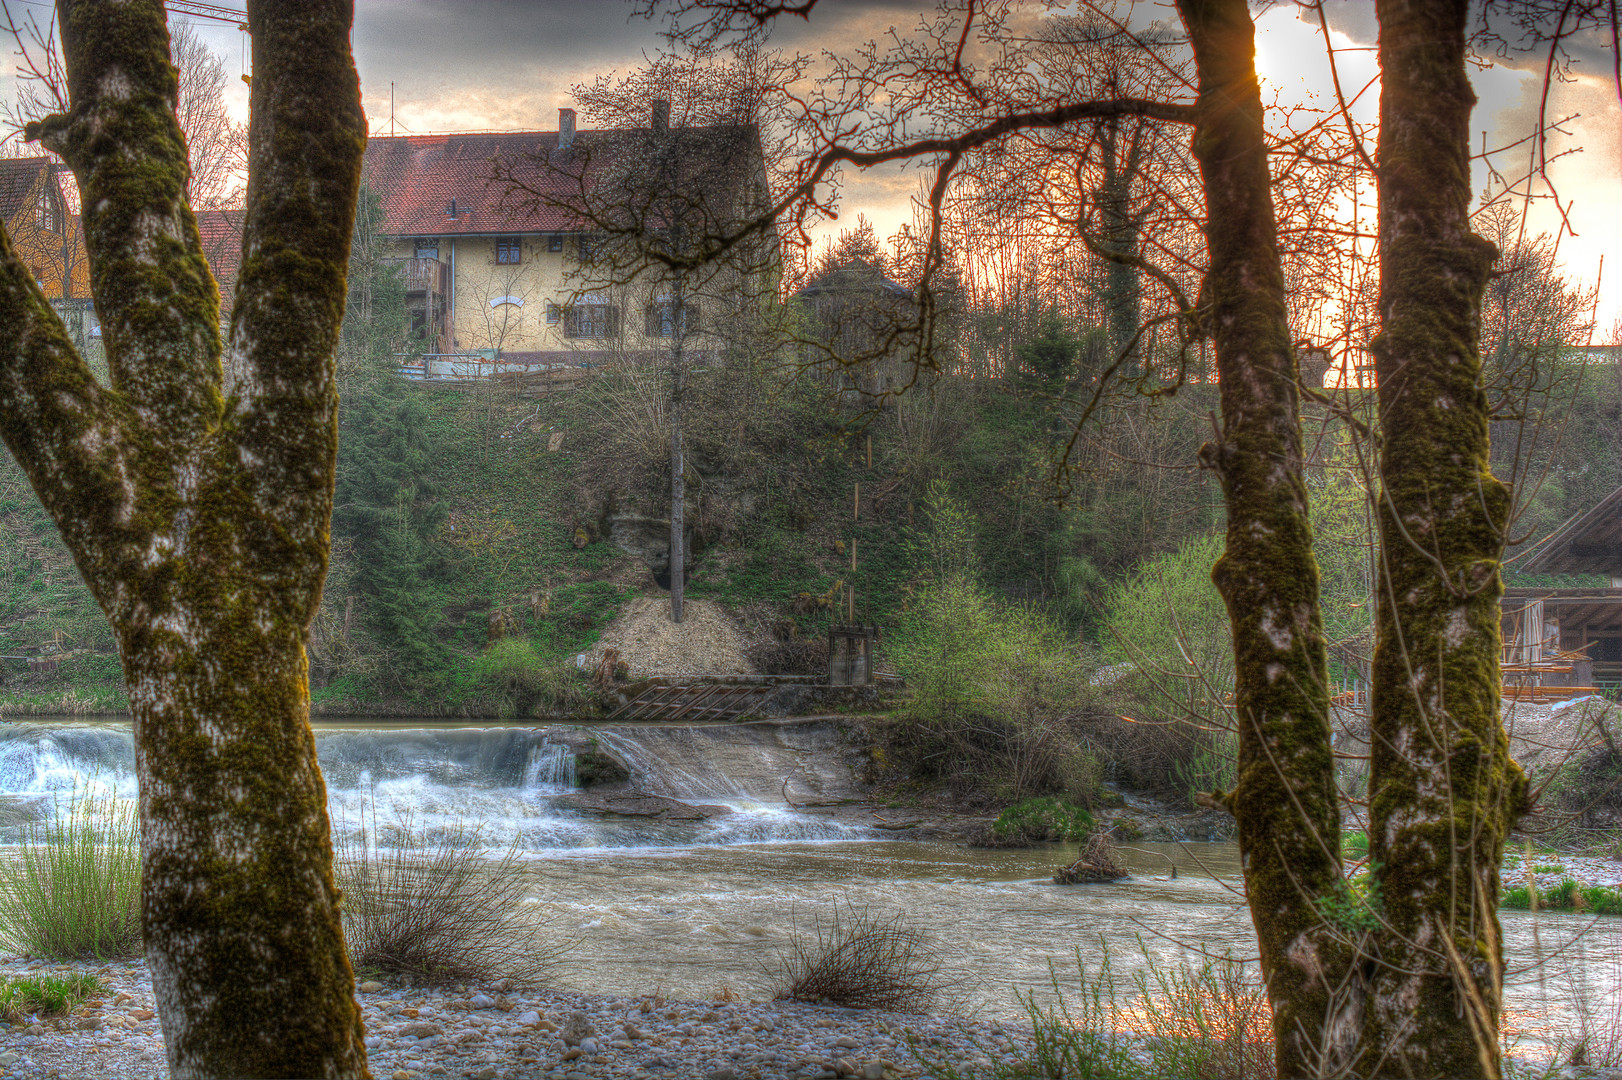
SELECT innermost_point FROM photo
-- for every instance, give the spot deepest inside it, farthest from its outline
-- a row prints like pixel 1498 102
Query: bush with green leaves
pixel 1041 819
pixel 521 682
pixel 999 695
pixel 1171 655
pixel 74 891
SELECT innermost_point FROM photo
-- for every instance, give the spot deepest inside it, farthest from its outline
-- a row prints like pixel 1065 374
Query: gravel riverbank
pixel 557 1035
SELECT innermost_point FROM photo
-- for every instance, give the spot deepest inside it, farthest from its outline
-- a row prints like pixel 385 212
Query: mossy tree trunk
pixel 1444 790
pixel 1285 802
pixel 200 521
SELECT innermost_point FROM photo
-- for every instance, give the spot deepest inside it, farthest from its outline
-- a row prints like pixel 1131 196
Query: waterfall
pixel 550 768
pixel 749 768
pixel 509 782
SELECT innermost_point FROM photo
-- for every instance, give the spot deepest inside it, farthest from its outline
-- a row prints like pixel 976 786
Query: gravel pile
pixel 556 1035
pixel 705 642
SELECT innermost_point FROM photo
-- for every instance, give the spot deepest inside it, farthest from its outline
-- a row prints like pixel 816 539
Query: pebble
pixel 423 1034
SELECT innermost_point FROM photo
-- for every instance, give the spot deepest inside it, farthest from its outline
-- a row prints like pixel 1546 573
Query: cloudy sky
pixel 459 65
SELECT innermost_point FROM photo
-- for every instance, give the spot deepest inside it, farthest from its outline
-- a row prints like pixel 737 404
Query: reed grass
pixel 1209 1019
pixel 1566 895
pixel 437 908
pixel 858 960
pixel 74 891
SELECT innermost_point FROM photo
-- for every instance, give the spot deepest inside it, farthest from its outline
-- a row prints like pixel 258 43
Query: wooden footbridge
pixel 701 697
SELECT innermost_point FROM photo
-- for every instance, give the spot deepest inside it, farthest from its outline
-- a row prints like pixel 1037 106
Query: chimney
pixel 661 115
pixel 565 128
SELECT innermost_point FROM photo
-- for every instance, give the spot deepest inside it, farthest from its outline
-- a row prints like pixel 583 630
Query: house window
pixel 591 320
pixel 662 318
pixel 49 216
pixel 553 313
pixel 509 250
pixel 554 242
pixel 588 247
pixel 427 249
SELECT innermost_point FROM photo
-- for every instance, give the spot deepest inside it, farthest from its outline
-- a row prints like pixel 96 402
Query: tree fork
pixel 1444 791
pixel 200 521
pixel 1285 801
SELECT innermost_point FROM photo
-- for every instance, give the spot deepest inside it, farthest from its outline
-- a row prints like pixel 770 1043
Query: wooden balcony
pixel 424 275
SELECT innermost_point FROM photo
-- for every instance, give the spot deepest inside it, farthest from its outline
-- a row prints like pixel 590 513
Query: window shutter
pixel 650 321
pixel 689 322
pixel 612 320
pixel 571 323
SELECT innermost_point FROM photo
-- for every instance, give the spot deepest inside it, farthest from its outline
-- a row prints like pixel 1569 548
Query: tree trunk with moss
pixel 1284 802
pixel 1444 790
pixel 200 521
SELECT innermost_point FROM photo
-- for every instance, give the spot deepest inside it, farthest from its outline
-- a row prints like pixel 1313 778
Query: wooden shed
pixel 1577 628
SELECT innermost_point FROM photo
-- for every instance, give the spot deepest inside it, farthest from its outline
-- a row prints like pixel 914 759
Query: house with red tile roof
pixel 43 230
pixel 47 236
pixel 518 245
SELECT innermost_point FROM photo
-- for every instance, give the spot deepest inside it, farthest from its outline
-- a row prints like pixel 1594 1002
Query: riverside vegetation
pixel 475 553
pixel 1081 651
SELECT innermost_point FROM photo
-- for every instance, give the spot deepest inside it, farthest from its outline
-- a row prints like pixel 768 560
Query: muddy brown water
pixel 699 909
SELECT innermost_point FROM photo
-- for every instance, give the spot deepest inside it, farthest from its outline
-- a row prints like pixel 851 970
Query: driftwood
pixel 1096 865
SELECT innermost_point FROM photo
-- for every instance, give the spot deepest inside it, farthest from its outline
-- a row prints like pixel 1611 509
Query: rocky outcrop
pixel 636 804
pixel 648 538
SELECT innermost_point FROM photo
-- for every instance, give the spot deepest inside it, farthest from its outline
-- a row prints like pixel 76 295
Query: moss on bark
pixel 1444 791
pixel 1284 801
pixel 200 524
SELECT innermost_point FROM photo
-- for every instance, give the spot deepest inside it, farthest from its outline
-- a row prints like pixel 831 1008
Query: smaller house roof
pixel 1590 544
pixel 220 232
pixel 854 276
pixel 18 179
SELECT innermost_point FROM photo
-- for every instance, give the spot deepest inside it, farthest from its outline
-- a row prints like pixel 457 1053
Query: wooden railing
pixel 424 275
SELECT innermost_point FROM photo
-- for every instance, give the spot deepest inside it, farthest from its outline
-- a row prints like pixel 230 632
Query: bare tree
pixel 216 145
pixel 200 522
pixel 1444 791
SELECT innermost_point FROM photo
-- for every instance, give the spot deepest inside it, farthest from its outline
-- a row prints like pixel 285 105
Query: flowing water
pixel 692 909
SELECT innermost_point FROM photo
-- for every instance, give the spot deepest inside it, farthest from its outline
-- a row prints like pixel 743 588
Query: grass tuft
pixel 1567 895
pixel 1209 1020
pixel 45 995
pixel 438 909
pixel 858 960
pixel 75 892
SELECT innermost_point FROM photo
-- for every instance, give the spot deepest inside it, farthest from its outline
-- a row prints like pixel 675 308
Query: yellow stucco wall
pixel 480 319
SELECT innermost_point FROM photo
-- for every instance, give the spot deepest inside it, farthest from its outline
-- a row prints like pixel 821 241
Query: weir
pixel 511 783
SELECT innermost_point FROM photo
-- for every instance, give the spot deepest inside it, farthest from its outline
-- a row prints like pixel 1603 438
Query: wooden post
pixel 853 556
pixel 856 502
pixel 870 450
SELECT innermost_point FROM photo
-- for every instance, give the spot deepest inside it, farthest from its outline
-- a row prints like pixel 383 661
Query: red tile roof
pixel 221 235
pixel 417 177
pixel 18 177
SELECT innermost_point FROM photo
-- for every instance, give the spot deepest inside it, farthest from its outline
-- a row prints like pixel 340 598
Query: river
pixel 694 909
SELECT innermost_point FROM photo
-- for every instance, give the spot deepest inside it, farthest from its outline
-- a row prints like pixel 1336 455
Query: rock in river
pixel 633 804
